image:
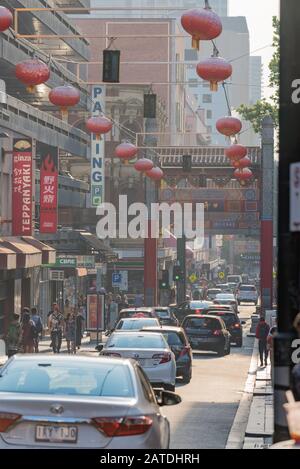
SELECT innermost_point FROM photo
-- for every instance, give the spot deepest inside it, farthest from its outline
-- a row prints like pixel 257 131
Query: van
pixel 237 279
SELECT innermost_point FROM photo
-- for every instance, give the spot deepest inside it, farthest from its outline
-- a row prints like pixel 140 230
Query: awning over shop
pixel 98 245
pixel 8 259
pixel 27 255
pixel 24 253
pixel 48 253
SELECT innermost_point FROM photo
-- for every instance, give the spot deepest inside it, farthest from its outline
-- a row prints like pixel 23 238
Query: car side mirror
pixel 166 398
pixel 99 347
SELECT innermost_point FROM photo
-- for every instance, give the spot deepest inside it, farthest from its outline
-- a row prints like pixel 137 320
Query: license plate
pixel 57 434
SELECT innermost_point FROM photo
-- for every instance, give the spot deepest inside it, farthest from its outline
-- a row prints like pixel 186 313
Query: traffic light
pixel 150 106
pixel 187 163
pixel 111 66
pixel 164 282
pixel 177 273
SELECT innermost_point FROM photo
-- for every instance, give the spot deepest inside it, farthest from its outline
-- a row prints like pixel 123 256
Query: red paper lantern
pixel 6 19
pixel 32 73
pixel 201 24
pixel 144 165
pixel 243 163
pixel 236 152
pixel 64 97
pixel 214 70
pixel 99 125
pixel 126 151
pixel 229 126
pixel 243 174
pixel 156 174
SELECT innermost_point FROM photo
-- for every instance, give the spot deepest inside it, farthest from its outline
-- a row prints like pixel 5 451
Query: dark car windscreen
pixel 163 313
pixel 202 323
pixel 134 313
pixel 138 341
pixel 136 324
pixel 229 319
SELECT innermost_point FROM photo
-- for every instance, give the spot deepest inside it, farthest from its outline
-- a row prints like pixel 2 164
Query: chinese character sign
pixel 48 188
pixel 22 188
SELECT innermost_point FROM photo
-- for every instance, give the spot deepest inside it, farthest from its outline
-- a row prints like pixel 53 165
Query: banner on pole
pixel 48 188
pixel 97 151
pixel 22 187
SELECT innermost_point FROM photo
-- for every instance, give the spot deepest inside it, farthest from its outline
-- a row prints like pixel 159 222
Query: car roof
pixel 224 295
pixel 163 328
pixel 76 360
pixel 161 308
pixel 135 308
pixel 138 319
pixel 248 285
pixel 200 316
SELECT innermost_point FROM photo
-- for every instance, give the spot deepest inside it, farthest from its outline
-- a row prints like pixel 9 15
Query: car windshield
pixel 202 323
pixel 247 288
pixel 234 278
pixel 162 313
pixel 136 324
pixel 137 341
pixel 135 313
pixel 198 304
pixel 63 378
pixel 214 291
pixel 229 319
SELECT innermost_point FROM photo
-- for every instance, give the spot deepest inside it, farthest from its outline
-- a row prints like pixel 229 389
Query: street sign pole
pixel 288 241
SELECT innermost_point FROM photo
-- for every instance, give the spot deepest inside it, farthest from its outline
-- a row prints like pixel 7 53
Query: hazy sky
pixel 259 17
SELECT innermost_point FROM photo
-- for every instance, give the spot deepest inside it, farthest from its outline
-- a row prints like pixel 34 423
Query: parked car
pixel 179 344
pixel 212 293
pixel 135 324
pixel 226 299
pixel 207 333
pixel 191 307
pixel 247 294
pixel 150 350
pixel 67 402
pixel 232 323
pixel 165 316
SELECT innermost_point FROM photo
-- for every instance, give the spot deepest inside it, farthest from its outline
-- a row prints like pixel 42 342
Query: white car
pixel 226 299
pixel 247 294
pixel 135 324
pixel 64 402
pixel 152 352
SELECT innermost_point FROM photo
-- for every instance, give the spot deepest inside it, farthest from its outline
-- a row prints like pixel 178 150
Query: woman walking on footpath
pixel 28 334
pixel 70 333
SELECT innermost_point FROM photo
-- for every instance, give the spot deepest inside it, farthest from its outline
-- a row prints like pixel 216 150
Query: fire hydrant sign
pixel 295 197
pixel 48 188
pixel 22 187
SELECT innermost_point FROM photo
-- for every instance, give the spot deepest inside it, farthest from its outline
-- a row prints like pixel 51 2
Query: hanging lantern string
pixel 216 53
pixel 207 5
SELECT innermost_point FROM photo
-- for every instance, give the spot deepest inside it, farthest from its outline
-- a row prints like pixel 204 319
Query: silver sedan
pixel 80 402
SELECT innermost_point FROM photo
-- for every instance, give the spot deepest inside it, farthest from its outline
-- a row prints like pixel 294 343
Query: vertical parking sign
pixel 97 151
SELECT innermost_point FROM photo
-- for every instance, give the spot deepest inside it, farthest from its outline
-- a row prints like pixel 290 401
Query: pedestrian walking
pixel 28 334
pixel 56 325
pixel 70 333
pixel 262 332
pixel 79 327
pixel 36 318
pixel 13 336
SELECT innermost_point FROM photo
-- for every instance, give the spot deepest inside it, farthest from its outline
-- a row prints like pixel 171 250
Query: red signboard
pixel 48 188
pixel 95 312
pixel 22 187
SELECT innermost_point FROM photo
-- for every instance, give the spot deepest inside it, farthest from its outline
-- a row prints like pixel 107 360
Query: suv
pixel 207 333
pixel 232 323
pixel 165 316
pixel 247 294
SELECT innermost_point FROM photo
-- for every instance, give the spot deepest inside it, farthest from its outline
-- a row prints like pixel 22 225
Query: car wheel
pixel 187 377
pixel 169 387
pixel 221 352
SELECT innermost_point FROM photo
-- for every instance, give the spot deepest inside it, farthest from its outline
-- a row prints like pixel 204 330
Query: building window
pixel 209 114
pixel 207 98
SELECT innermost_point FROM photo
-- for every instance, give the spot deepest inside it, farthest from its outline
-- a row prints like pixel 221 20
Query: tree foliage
pixel 262 108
